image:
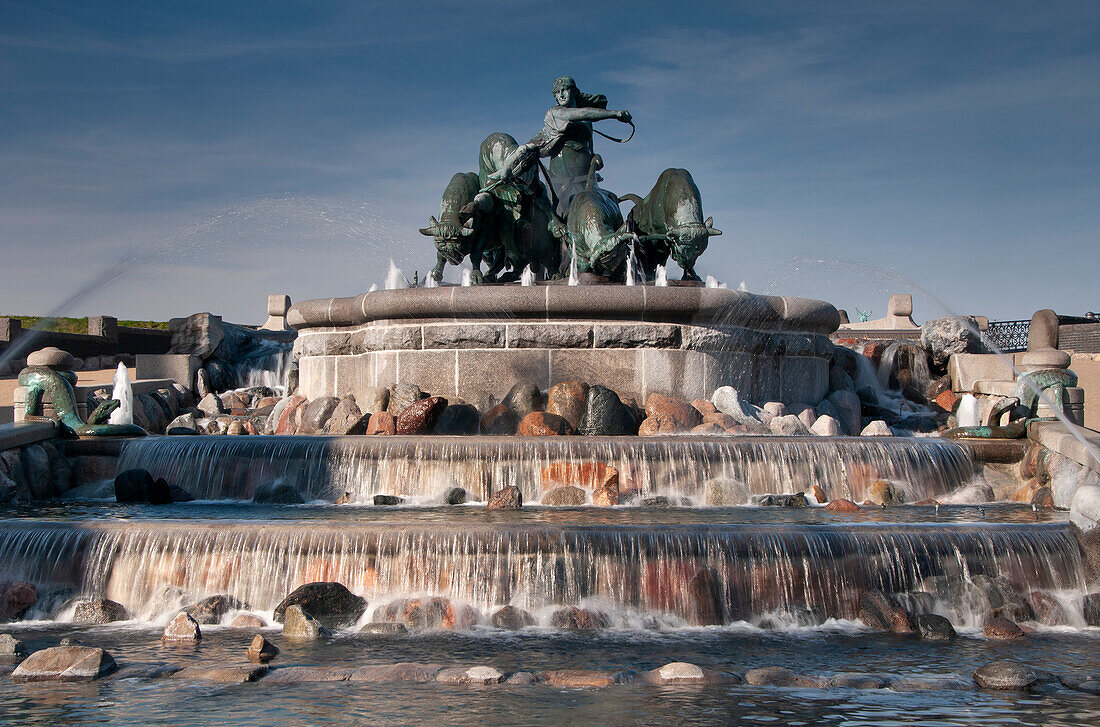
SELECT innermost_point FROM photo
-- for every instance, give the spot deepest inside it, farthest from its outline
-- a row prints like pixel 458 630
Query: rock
pixel 855 681
pixel 235 400
pixel 301 626
pixel 285 422
pixel 788 425
pixel 947 400
pixel 36 471
pixel 400 672
pixel 880 611
pixel 942 337
pixel 1084 509
pixel 307 674
pixel 454 496
pixel 825 426
pixel 933 627
pixel 384 628
pixel 797 499
pixel 429 613
pixel 586 475
pixel 605 414
pixel 420 417
pixel 679 672
pixel 1043 499
pixel 523 399
pixel 99 611
pixel 1048 610
pixel 660 424
pixel 65 664
pixel 278 494
pixel 1006 674
pixel 565 496
pixel 817 494
pixel 211 405
pixel 223 674
pixel 775 676
pixel 330 603
pixel 346 418
pixel 402 396
pixel 706 597
pixel 382 423
pixel 12 650
pixel 199 334
pixel 726 400
pixel 473 675
pixel 261 651
pixel 848 410
pixel 182 628
pixel 706 428
pixel 930 684
pixel 522 677
pixel 877 428
pixel 775 408
pixel 373 399
pixel 184 422
pixel 884 492
pixel 235 428
pixel 543 424
pixel 137 485
pixel 568 400
pixel 1002 629
pixel 316 414
pixel 387 500
pixel 52 358
pixel 842 505
pixel 1091 607
pixel 506 498
pixel 572 618
pixel 499 420
pixel 807 416
pixel 247 621
pixel 16 597
pixel 211 609
pixel 606 495
pixel 458 419
pixel 580 678
pixel 512 618
pixel 680 413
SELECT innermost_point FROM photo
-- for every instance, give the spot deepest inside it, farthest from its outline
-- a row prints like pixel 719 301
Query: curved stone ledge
pixel 676 304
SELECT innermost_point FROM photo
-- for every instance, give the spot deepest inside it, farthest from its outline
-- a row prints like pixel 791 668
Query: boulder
pixel 706 598
pixel 499 420
pixel 605 414
pixel 284 424
pixel 454 496
pixel 572 618
pixel 316 414
pixel 682 414
pixel 848 411
pixel 506 498
pixel 472 675
pixel 330 603
pixel 308 674
pixel 458 419
pixel 211 609
pixel 1006 674
pixel 384 628
pixel 278 494
pixel 706 428
pixel 400 672
pixel 223 673
pixel 429 613
pixel 182 629
pixel 420 417
pixel 523 399
pixel 1084 509
pixel 1002 629
pixel 36 471
pixel 797 499
pixel 933 627
pixel 580 678
pixel 301 626
pixel 884 492
pixel 825 426
pixel 879 610
pixel 346 418
pixel 565 496
pixel 512 618
pixel 679 672
pixel 184 424
pixel 661 424
pixel 877 428
pixel 1048 610
pixel 236 428
pixel 382 422
pixel 775 676
pixel 387 500
pixel 137 485
pixel 1091 607
pixel 942 337
pixel 972 494
pixel 247 621
pixel 211 405
pixel 12 650
pixel 402 396
pixel 568 400
pixel 65 664
pixel 235 400
pixel 99 611
pixel 543 424
pixel 788 425
pixel 842 505
pixel 261 651
pixel 373 399
pixel 726 400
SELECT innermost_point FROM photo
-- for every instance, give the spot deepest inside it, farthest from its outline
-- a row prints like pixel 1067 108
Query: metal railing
pixel 1008 336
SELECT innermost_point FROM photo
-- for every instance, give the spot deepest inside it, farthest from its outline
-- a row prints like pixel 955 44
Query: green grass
pixel 79 325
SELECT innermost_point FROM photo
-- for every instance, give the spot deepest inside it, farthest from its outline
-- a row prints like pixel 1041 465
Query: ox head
pixel 688 241
pixel 451 238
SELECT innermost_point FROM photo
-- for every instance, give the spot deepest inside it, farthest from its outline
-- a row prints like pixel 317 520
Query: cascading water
pixel 715 471
pixel 124 394
pixel 759 569
pixel 266 365
pixel 631 265
pixel 712 282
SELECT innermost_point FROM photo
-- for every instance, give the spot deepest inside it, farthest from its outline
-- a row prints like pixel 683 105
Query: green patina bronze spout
pixel 40 380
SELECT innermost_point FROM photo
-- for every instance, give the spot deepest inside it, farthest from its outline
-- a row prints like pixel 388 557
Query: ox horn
pixel 467 228
pixel 711 230
pixel 430 230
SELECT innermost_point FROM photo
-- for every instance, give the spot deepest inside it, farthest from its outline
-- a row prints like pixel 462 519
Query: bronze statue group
pixel 517 212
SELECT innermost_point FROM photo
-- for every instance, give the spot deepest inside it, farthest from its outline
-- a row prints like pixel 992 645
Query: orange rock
pixel 586 475
pixel 819 494
pixel 704 407
pixel 1025 493
pixel 947 401
pixel 420 416
pixel 678 412
pixel 543 424
pixel 382 422
pixel 606 496
pixel 660 424
pixel 842 505
pixel 723 420
pixel 286 418
pixel 709 428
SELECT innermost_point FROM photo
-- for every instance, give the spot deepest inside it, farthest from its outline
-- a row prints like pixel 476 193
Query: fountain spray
pixel 124 394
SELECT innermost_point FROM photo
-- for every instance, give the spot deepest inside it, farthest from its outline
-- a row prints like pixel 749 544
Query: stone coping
pixel 20 434
pixel 558 302
pixel 1057 438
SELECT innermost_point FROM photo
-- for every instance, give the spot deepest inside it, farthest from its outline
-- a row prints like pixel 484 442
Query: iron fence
pixel 1008 336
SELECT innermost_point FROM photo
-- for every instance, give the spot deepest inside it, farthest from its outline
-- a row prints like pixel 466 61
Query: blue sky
pixel 847 150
